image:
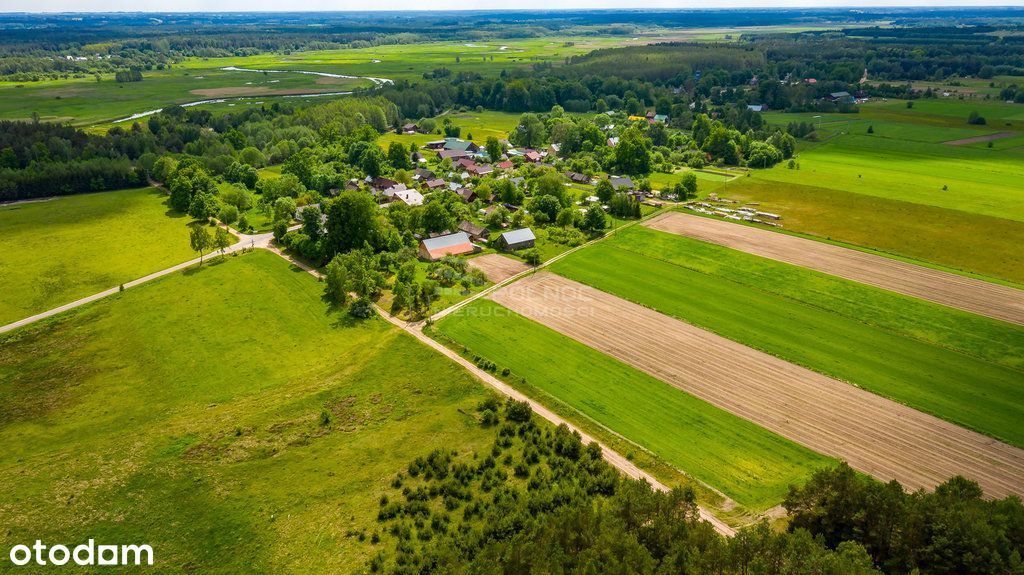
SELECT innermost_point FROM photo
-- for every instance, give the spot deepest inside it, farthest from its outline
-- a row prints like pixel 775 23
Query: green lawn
pixel 984 245
pixel 56 251
pixel 186 414
pixel 749 464
pixel 963 368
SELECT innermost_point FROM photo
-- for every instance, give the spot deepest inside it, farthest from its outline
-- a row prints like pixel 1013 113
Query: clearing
pixel 969 294
pixel 201 414
pixel 56 251
pixel 873 434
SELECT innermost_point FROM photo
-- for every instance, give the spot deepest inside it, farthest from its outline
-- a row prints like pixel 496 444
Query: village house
pixel 532 156
pixel 435 184
pixel 842 97
pixel 461 145
pixel 476 232
pixel 434 145
pixel 423 174
pixel 467 194
pixel 480 170
pixel 506 165
pixel 453 154
pixel 577 177
pixel 621 183
pixel 410 129
pixel 513 240
pixel 408 197
pixel 459 243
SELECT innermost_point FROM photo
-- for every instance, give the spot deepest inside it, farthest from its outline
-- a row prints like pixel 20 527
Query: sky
pixel 342 5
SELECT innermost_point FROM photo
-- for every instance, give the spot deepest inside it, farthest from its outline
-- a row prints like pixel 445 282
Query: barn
pixel 456 244
pixel 517 239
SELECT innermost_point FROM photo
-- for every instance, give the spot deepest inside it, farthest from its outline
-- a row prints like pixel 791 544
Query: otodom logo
pixel 85 554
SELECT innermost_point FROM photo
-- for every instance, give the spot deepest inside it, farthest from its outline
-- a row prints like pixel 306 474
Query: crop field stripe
pixel 747 463
pixel 968 294
pixel 909 350
pixel 873 434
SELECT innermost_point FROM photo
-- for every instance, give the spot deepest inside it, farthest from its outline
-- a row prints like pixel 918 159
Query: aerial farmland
pixel 600 291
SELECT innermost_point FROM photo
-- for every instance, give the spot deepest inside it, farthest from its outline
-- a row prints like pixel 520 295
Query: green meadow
pixel 223 417
pixel 480 125
pixel 979 181
pixel 84 101
pixel 960 367
pixel 55 251
pixel 977 244
pixel 747 463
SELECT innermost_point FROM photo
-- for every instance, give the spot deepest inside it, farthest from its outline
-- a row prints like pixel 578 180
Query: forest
pixel 541 501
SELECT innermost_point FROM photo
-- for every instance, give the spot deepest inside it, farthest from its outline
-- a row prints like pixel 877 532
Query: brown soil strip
pixel 969 294
pixel 873 434
pixel 979 139
pixel 497 267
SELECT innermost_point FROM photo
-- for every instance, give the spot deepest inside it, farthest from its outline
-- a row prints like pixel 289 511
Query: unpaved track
pixel 980 139
pixel 873 434
pixel 497 267
pixel 976 296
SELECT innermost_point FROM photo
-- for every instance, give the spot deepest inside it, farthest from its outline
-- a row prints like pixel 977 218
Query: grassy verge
pixel 750 465
pixel 912 351
pixel 222 416
pixel 56 251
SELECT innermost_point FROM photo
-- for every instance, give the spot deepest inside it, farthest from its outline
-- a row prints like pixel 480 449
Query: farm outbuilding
pixel 517 239
pixel 456 244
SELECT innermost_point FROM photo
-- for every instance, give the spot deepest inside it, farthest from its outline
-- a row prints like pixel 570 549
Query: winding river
pixel 377 82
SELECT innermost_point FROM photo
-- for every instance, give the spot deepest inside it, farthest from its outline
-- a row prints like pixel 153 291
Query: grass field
pixel 983 245
pixel 914 352
pixel 86 101
pixel 187 413
pixel 749 464
pixel 479 125
pixel 905 157
pixel 56 251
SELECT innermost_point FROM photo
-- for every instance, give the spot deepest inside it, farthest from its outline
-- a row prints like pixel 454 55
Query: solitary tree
pixel 494 150
pixel 336 282
pixel 200 240
pixel 222 240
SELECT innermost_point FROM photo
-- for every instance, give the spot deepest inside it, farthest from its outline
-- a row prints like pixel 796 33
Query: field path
pixel 873 434
pixel 949 289
pixel 244 242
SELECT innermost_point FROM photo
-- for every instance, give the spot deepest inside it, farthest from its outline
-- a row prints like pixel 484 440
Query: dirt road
pixel 976 296
pixel 873 434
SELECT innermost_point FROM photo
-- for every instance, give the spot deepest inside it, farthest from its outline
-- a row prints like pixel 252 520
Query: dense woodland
pixel 540 501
